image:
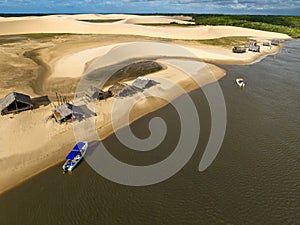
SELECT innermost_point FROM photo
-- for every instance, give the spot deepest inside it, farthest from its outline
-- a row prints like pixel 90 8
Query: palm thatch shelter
pixel 275 41
pixel 67 112
pixel 15 102
pixel 238 50
pixel 96 93
pixel 92 92
pixel 143 83
pixel 254 48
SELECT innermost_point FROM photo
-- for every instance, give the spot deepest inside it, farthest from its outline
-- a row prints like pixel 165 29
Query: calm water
pixel 254 179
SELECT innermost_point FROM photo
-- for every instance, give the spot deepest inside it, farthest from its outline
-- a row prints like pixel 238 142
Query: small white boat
pixel 74 157
pixel 240 82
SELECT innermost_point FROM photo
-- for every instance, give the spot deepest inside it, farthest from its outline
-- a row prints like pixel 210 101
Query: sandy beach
pixel 48 54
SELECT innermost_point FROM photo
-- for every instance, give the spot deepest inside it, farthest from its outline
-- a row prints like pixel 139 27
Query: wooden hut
pixel 116 88
pixel 143 83
pixel 96 93
pixel 15 102
pixel 238 50
pixel 275 41
pixel 67 112
pixel 92 92
pixel 105 94
pixel 251 43
pixel 254 48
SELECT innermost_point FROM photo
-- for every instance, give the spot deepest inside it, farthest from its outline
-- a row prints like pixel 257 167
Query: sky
pixel 268 7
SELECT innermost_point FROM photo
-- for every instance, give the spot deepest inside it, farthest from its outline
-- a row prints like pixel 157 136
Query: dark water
pixel 255 178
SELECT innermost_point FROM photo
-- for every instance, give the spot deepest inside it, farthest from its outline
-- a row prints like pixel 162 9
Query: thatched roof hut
pixel 143 83
pixel 92 92
pixel 238 50
pixel 275 41
pixel 254 48
pixel 116 88
pixel 96 93
pixel 251 43
pixel 15 102
pixel 67 112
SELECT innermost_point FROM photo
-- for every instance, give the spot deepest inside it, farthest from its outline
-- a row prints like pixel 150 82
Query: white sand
pixel 30 143
pixel 70 24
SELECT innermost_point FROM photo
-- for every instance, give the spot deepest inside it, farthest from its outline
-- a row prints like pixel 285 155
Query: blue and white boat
pixel 74 157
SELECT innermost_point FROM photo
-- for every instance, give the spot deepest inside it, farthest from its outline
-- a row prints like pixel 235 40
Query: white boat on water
pixel 74 157
pixel 240 82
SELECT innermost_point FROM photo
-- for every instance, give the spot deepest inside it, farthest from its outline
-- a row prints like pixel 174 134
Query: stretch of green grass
pixel 227 42
pixel 289 25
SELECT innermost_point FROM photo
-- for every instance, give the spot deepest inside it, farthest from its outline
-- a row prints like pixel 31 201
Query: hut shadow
pixel 40 101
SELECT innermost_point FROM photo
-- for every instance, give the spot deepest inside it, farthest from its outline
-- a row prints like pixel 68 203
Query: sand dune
pixel 30 142
pixel 70 24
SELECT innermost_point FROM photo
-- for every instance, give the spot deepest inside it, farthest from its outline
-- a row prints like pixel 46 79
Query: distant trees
pixel 282 24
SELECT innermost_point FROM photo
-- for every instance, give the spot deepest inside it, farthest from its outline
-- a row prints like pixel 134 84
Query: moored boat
pixel 74 157
pixel 240 82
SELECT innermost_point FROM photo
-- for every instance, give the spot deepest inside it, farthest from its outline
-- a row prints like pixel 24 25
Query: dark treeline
pixel 289 25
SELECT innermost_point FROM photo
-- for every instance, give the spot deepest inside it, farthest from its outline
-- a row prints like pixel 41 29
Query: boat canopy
pixel 75 150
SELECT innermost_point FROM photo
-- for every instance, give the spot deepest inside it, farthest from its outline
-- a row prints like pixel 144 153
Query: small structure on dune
pixel 15 102
pixel 238 50
pixel 251 43
pixel 253 46
pixel 116 88
pixel 275 41
pixel 266 43
pixel 143 83
pixel 104 94
pixel 92 92
pixel 96 93
pixel 123 90
pixel 67 112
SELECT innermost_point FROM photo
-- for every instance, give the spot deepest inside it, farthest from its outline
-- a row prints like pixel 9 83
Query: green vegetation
pixel 289 25
pixel 6 39
pixel 168 24
pixel 227 42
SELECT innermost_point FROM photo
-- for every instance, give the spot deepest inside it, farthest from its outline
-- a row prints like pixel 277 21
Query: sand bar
pixel 30 141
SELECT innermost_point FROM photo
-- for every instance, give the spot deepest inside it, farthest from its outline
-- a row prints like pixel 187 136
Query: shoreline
pixel 22 157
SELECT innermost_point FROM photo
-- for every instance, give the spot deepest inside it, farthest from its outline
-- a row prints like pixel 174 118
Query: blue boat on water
pixel 74 157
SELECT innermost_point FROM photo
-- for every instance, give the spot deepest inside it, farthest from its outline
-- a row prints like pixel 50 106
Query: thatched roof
pixel 62 111
pixel 238 50
pixel 143 83
pixel 275 41
pixel 92 92
pixel 15 96
pixel 254 48
pixel 66 110
pixel 128 91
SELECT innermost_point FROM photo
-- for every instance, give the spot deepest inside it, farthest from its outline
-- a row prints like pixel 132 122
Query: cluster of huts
pixel 68 112
pixel 139 85
pixel 16 102
pixel 253 46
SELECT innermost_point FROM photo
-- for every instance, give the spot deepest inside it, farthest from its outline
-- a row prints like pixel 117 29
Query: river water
pixel 254 179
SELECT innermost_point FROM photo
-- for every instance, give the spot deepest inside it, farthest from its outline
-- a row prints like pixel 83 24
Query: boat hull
pixel 240 82
pixel 70 164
